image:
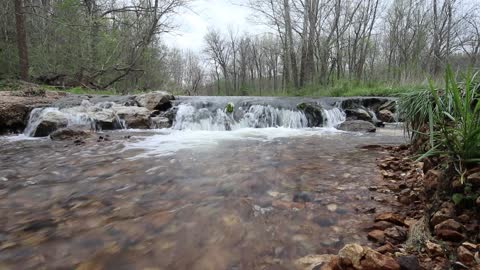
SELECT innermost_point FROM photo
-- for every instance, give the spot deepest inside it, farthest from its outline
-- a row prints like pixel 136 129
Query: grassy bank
pixel 339 89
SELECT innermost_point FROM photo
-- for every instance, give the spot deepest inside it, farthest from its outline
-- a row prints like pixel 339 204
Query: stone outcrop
pixel 15 107
pixel 159 100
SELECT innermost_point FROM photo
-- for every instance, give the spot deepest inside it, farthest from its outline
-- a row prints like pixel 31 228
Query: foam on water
pixel 17 138
pixel 171 141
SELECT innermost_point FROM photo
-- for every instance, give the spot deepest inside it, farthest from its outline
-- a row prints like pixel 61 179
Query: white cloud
pixel 205 14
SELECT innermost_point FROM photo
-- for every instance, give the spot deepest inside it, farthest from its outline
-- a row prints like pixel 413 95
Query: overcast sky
pixel 205 14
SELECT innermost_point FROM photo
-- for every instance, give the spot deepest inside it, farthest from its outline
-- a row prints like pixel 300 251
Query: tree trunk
pixel 21 40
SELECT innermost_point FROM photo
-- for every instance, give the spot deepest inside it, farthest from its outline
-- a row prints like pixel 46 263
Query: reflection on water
pixel 247 199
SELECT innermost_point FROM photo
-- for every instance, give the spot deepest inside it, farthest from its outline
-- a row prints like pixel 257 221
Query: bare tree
pixel 21 40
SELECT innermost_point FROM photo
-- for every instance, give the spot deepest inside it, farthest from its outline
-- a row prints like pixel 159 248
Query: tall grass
pixel 452 118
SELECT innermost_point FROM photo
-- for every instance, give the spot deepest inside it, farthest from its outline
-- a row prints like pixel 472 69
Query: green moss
pixel 301 106
pixel 229 107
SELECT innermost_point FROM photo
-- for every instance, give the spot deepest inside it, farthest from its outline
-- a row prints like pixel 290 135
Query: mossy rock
pixel 229 107
pixel 313 112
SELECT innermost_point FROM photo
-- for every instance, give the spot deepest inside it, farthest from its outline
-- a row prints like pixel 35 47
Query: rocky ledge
pixel 48 111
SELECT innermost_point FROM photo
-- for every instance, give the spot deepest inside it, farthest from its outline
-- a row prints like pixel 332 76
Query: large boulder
pixel 313 112
pixel 133 117
pixel 44 122
pixel 159 100
pixel 357 126
pixel 105 119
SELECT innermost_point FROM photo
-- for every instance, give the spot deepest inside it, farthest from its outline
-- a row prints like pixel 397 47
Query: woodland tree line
pixel 115 44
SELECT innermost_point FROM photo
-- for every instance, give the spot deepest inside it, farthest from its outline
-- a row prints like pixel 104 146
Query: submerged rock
pixel 159 100
pixel 69 134
pixel 357 126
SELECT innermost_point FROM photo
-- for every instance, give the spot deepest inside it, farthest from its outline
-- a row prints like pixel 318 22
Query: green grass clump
pixel 452 118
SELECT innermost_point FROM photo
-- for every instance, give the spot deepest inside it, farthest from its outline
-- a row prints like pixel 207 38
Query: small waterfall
pixel 335 116
pixel 65 118
pixel 374 116
pixel 256 116
pixel 87 115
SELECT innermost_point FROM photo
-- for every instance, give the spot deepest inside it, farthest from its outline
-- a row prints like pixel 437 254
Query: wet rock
pixel 302 197
pixel 377 236
pixel 160 122
pixel 449 224
pixel 313 112
pixel 459 266
pixel 333 264
pixel 351 254
pixel 375 261
pixel 465 256
pixel 50 122
pixel 474 179
pixel 106 120
pixel 431 180
pixel 311 262
pixel 287 205
pixel 396 234
pixel 13 117
pixel 408 263
pixel 391 217
pixel 386 116
pixel 449 235
pixel 69 134
pixel 133 116
pixel 446 212
pixel 390 105
pixel 470 246
pixel 332 207
pixel 358 114
pixel 357 126
pixel 387 248
pixel 433 249
pixel 159 100
pixel 381 225
pixel 324 221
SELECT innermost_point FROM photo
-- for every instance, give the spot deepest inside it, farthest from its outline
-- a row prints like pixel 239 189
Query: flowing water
pixel 252 190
